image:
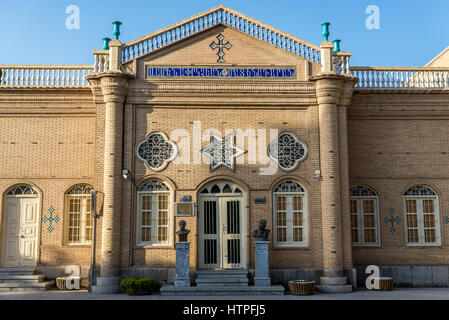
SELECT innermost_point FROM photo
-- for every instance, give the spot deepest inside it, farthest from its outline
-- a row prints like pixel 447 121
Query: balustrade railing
pixel 340 61
pixel 44 75
pixel 401 77
pixel 101 63
pixel 211 18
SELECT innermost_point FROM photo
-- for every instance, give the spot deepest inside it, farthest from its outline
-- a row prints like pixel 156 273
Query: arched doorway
pixel 221 226
pixel 20 233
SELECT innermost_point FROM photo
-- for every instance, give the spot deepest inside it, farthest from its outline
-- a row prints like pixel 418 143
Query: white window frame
pixel 361 223
pixel 154 218
pixel 420 219
pixel 84 210
pixel 289 218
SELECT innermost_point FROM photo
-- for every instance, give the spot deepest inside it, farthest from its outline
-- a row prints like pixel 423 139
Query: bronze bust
pixel 182 233
pixel 261 233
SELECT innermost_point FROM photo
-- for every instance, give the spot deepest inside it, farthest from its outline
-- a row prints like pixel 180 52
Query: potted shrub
pixel 137 286
pixel 302 287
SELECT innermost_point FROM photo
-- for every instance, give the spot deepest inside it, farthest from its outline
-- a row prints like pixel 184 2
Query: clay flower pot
pixel 302 287
pixel 385 284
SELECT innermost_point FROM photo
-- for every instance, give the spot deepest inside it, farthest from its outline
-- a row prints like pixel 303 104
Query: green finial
pixel 336 45
pixel 116 29
pixel 325 33
pixel 106 43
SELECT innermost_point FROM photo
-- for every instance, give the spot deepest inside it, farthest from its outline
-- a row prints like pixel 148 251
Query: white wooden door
pixel 21 232
pixel 12 229
pixel 220 233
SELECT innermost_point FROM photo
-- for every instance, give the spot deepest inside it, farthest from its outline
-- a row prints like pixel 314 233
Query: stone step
pixel 17 271
pixel 8 278
pixel 222 272
pixel 171 290
pixel 27 286
pixel 222 282
pixel 235 273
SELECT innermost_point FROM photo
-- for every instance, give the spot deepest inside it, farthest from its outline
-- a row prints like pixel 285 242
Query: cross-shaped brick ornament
pixel 220 45
pixel 50 219
pixel 392 220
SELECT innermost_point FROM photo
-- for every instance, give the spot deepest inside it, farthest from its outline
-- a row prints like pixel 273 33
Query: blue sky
pixel 411 32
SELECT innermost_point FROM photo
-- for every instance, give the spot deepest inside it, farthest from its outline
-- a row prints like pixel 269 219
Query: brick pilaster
pixel 334 170
pixel 113 89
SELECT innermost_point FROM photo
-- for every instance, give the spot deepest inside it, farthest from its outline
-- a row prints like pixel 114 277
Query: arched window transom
pixel 154 186
pixel 290 214
pixel 362 191
pixel 289 186
pixel 23 190
pixel 221 187
pixel 420 191
pixel 81 189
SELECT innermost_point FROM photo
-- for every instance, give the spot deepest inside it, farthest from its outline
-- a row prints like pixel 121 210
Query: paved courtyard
pixel 361 294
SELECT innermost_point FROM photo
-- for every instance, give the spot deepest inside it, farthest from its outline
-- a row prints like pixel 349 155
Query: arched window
pixel 289 214
pixel 78 220
pixel 422 216
pixel 364 209
pixel 154 218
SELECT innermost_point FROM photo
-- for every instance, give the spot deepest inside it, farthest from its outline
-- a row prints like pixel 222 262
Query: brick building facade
pixel 348 165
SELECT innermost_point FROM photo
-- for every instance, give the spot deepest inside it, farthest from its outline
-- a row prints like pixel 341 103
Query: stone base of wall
pixel 278 276
pixel 410 276
pixel 404 276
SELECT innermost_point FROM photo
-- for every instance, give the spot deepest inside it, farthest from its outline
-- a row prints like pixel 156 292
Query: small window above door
pixel 221 188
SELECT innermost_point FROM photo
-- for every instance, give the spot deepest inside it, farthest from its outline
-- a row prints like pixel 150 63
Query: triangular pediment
pixel 441 60
pixel 250 42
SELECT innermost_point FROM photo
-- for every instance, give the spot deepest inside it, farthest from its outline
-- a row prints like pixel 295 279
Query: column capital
pixel 348 89
pixel 112 85
pixel 332 88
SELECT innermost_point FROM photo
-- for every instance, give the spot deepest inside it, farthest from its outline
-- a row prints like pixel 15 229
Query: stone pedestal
pixel 182 278
pixel 262 276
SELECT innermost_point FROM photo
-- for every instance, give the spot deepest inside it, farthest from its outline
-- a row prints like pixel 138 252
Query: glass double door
pixel 220 233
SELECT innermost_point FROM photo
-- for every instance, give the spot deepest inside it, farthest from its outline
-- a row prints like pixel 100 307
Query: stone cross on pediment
pixel 220 45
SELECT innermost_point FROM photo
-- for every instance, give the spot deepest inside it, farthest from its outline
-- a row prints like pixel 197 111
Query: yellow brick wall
pixel 188 178
pixel 48 141
pixel 395 142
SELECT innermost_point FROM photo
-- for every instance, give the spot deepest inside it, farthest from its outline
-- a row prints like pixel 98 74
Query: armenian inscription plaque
pixel 220 72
